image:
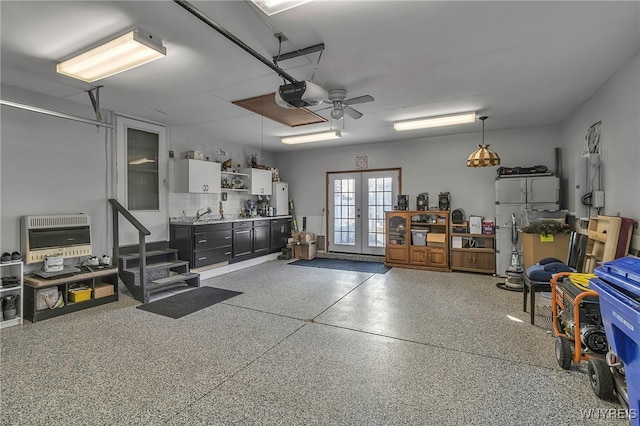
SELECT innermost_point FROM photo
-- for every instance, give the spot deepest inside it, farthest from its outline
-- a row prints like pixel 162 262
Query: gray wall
pixel 51 166
pixel 617 105
pixel 432 165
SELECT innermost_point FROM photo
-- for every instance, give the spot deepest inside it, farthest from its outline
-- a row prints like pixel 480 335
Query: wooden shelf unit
pixel 403 230
pixel 477 254
pixel 603 233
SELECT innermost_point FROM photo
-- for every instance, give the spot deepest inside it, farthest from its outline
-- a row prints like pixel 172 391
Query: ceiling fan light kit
pixel 123 53
pixel 437 121
pixel 312 137
pixel 483 156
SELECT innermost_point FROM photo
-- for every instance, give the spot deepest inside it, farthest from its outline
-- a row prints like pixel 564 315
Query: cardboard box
pixel 475 224
pixel 320 243
pixel 195 155
pixel 488 227
pixel 79 295
pixel 536 247
pixel 305 251
pixel 436 238
pixel 102 290
pixel 303 237
pixel 456 242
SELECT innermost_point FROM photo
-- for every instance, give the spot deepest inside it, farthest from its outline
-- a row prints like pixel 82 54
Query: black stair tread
pixel 135 256
pixel 175 278
pixel 158 265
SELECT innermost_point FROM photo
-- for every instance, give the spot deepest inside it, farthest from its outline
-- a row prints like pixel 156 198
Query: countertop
pixel 208 221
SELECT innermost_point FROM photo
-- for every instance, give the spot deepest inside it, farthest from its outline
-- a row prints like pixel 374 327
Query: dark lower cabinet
pixel 280 233
pixel 202 245
pixel 242 240
pixel 261 241
pixel 208 244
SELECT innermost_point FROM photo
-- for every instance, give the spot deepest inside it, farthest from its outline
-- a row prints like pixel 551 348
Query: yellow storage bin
pixel 79 295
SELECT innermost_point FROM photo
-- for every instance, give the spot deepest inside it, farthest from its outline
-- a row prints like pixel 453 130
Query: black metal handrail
pixel 116 208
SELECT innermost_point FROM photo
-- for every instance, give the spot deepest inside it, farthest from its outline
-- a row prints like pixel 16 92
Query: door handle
pixel 202 241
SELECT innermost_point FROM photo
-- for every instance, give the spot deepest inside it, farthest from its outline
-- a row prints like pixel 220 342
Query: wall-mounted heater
pixel 67 235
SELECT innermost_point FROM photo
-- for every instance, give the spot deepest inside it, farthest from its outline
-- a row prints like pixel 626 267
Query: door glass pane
pixel 344 219
pixel 379 199
pixel 143 190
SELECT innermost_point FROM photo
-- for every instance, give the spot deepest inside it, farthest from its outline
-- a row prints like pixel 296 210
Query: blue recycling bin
pixel 618 285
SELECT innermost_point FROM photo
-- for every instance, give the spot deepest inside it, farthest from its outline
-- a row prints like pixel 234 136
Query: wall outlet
pixel 598 199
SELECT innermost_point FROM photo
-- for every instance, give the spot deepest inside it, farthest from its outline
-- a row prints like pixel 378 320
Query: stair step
pixel 135 256
pixel 174 279
pixel 160 265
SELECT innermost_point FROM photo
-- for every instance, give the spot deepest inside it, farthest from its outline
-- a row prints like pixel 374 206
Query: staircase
pixel 163 271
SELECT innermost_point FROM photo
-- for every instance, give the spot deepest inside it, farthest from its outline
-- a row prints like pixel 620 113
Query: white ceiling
pixel 521 63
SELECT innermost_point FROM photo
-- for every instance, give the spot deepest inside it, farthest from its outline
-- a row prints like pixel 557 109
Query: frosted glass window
pixel 143 189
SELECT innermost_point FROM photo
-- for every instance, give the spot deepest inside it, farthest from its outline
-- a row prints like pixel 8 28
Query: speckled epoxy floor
pixel 300 346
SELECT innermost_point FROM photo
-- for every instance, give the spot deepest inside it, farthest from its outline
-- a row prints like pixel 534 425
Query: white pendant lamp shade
pixel 483 156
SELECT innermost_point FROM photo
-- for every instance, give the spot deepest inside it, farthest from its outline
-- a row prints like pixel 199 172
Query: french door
pixel 357 202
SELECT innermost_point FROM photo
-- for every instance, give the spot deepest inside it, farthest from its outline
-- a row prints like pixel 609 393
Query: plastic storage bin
pixel 418 237
pixel 623 272
pixel 621 317
pixel 79 295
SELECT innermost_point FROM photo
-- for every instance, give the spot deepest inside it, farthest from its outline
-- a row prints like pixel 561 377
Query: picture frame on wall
pixel 362 162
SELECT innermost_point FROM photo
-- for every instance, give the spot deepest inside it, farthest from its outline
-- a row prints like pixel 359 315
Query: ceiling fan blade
pixel 322 109
pixel 352 112
pixel 359 100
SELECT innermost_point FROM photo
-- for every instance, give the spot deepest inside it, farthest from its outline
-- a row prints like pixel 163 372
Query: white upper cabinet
pixel 197 176
pixel 259 181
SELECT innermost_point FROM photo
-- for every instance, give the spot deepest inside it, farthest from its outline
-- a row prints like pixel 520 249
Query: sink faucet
pixel 199 215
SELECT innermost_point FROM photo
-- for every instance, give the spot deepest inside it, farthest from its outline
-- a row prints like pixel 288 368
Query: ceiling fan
pixel 341 105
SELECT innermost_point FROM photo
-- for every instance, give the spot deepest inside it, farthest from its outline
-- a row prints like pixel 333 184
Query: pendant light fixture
pixel 483 156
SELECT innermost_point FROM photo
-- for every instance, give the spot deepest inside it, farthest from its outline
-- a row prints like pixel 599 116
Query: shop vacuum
pixel 515 278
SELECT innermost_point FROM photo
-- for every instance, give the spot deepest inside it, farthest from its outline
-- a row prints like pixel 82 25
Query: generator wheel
pixel 564 354
pixel 601 379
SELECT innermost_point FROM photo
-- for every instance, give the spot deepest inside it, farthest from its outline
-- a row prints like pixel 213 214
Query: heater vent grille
pixel 56 221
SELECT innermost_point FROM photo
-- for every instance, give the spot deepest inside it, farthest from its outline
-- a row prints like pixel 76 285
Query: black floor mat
pixel 188 302
pixel 344 265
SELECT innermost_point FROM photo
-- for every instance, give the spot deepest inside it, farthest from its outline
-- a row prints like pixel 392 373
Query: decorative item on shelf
pixel 403 202
pixel 422 201
pixel 547 228
pixel 237 182
pixel 444 201
pixel 221 210
pixel 253 160
pixel 225 184
pixel 226 164
pixel 275 175
pixel 237 169
pixel 483 156
pixel 457 216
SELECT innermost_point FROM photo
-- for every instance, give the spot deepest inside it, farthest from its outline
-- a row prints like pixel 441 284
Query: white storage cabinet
pixel 197 176
pixel 259 181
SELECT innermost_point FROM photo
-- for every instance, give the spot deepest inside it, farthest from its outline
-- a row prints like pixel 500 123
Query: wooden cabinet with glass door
pixel 418 239
pixel 397 247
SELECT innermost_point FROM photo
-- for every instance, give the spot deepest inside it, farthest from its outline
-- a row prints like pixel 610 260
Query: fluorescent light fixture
pixel 128 51
pixel 271 7
pixel 313 137
pixel 442 120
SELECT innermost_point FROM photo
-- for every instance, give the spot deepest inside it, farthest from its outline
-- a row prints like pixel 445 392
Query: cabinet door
pixel 437 257
pixel 543 189
pixel 242 243
pixel 259 181
pixel 511 190
pixel 197 176
pixel 261 240
pixel 461 259
pixel 419 255
pixel 484 261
